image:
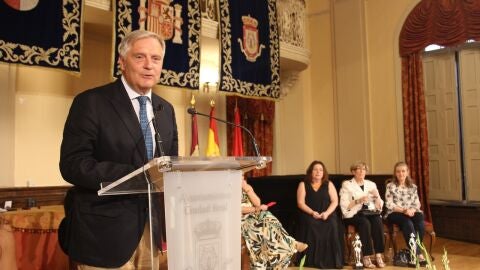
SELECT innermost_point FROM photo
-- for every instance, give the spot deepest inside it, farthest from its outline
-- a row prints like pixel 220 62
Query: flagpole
pixel 194 148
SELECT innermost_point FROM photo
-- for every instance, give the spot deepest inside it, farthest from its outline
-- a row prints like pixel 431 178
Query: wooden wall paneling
pixel 51 195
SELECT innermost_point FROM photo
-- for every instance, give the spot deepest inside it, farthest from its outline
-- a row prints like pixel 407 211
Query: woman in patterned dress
pixel 403 205
pixel 269 245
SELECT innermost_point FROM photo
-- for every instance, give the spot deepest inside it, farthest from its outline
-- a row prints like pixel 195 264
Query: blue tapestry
pixel 178 22
pixel 250 51
pixel 41 33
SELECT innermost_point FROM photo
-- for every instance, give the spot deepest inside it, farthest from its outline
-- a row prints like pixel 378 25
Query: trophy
pixel 413 249
pixel 357 248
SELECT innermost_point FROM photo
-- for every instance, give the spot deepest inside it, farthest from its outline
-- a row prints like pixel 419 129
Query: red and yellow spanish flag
pixel 237 135
pixel 213 149
pixel 194 152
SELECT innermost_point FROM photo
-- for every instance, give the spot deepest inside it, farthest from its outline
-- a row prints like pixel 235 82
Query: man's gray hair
pixel 133 36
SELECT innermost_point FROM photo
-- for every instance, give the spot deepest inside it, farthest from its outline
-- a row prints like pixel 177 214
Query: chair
pixel 245 259
pixel 349 238
pixel 350 233
pixel 394 231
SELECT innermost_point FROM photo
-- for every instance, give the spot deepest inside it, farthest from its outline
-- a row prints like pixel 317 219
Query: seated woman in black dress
pixel 359 194
pixel 319 226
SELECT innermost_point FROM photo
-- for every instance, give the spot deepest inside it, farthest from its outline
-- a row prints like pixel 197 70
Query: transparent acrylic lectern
pixel 202 198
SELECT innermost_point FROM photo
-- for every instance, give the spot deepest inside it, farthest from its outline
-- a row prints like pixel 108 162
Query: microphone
pixel 158 138
pixel 192 111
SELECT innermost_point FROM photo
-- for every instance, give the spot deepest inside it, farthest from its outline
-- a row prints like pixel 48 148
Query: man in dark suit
pixel 103 141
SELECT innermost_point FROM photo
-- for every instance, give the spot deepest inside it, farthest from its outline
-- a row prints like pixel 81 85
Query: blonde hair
pixel 359 165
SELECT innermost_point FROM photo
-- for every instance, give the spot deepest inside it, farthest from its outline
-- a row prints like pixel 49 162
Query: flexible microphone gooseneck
pixel 192 111
pixel 158 138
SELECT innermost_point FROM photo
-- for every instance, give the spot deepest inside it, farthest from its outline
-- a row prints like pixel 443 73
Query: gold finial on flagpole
pixel 192 101
pixel 212 103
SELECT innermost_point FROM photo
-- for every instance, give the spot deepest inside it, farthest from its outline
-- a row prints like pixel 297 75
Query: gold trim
pixel 191 78
pixel 65 57
pixel 244 88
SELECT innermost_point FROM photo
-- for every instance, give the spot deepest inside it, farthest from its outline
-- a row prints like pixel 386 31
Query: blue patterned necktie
pixel 144 124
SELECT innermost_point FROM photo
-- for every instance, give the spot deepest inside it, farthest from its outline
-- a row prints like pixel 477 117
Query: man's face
pixel 142 65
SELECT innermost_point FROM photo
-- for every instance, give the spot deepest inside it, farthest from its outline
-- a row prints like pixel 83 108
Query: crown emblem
pixel 208 229
pixel 162 19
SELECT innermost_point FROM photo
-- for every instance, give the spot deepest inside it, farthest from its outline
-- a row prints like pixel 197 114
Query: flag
pixel 194 147
pixel 213 149
pixel 237 135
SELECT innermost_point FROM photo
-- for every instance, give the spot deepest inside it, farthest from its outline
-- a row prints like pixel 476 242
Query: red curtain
pixel 415 126
pixel 257 115
pixel 441 22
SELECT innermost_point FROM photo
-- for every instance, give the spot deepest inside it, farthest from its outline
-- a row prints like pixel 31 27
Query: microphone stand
pixel 149 197
pixel 164 165
pixel 158 139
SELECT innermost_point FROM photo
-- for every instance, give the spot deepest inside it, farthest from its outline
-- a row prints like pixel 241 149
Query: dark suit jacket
pixel 103 141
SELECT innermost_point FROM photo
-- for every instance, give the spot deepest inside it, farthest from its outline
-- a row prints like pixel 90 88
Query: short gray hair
pixel 133 36
pixel 359 165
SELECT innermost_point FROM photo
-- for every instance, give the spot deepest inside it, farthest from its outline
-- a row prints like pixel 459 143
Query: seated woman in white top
pixel 361 205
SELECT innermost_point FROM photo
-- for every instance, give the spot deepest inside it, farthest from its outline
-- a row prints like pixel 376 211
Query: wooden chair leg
pixel 394 232
pixel 350 236
pixel 429 232
pixel 348 245
pixel 245 259
pixel 433 238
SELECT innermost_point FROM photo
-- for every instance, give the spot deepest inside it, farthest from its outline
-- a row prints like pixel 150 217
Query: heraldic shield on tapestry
pixel 250 51
pixel 41 33
pixel 178 22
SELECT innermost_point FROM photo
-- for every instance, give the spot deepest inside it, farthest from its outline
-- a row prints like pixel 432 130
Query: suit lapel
pixel 123 106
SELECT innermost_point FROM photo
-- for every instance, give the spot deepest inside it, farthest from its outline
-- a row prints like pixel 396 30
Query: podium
pixel 202 197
